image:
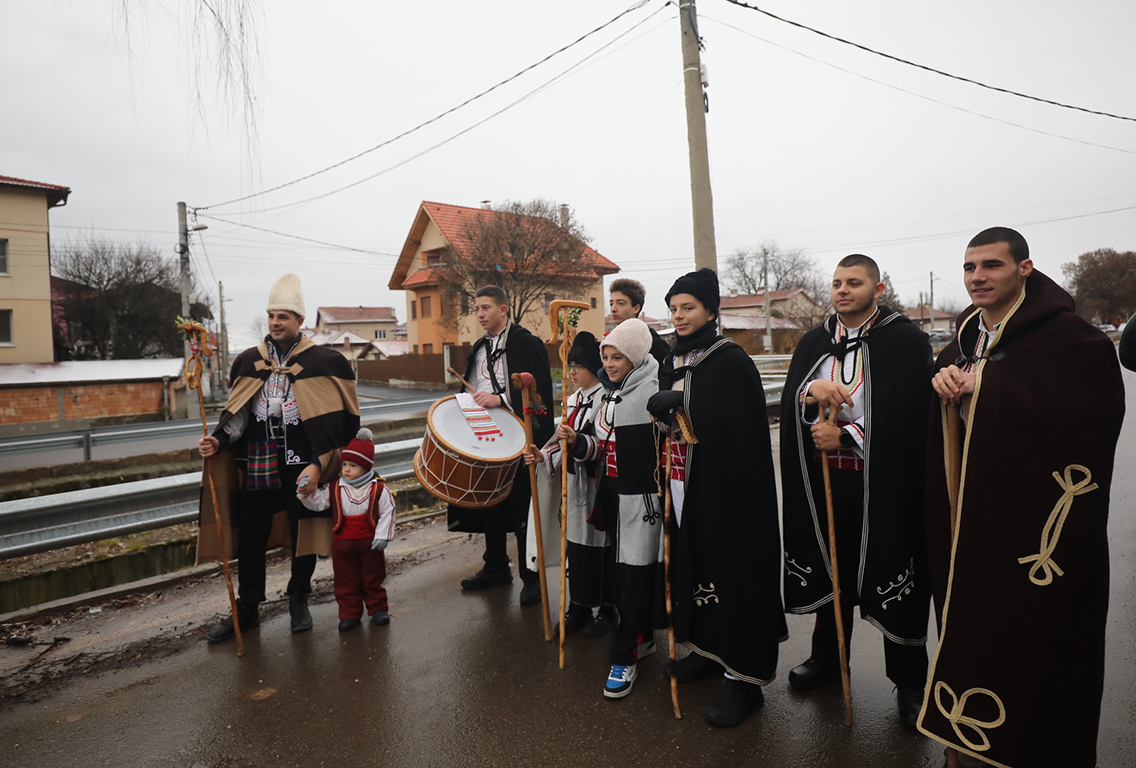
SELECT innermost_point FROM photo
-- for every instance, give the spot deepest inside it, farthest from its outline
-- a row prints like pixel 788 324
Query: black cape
pixel 1023 594
pixel 524 353
pixel 893 592
pixel 726 554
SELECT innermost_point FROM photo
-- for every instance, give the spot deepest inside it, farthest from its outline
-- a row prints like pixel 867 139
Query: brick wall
pixel 20 405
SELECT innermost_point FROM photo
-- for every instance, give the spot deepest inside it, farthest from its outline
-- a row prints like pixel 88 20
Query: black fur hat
pixel 585 352
pixel 702 285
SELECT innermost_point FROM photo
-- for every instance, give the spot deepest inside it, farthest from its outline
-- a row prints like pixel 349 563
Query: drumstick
pixel 458 376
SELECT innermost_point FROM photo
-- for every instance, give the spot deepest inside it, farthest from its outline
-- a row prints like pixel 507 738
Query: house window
pixel 413 310
pixel 416 349
pixel 6 326
pixel 426 309
pixel 593 302
pixel 433 258
pixel 465 304
pixel 380 334
pixel 3 256
pixel 427 349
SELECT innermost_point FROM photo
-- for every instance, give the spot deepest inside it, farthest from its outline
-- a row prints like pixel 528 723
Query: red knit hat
pixel 361 450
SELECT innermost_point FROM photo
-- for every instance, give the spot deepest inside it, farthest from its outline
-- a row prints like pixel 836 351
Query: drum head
pixel 450 428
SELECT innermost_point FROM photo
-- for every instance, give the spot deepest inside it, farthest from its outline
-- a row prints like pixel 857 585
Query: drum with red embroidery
pixel 469 454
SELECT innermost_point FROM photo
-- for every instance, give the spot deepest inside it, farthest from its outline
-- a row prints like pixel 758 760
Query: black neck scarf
pixel 703 338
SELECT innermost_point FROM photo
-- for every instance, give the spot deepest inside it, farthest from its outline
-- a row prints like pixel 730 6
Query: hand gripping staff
pixel 198 339
pixel 554 323
pixel 829 415
pixel 527 384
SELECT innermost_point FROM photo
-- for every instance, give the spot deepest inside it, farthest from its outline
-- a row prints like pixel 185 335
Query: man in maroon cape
pixel 1021 587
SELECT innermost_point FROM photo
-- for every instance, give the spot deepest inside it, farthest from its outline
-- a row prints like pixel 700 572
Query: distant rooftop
pixel 56 194
pixel 356 315
pixel 89 371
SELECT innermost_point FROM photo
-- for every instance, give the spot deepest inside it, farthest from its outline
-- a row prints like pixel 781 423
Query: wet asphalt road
pixel 461 679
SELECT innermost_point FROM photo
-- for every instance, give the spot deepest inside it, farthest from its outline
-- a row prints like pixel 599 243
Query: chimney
pixel 564 215
pixel 485 205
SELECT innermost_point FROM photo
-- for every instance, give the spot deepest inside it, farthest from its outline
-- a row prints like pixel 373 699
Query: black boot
pixel 578 617
pixel 247 613
pixel 812 674
pixel 695 667
pixel 733 703
pixel 603 623
pixel 301 616
pixel 530 592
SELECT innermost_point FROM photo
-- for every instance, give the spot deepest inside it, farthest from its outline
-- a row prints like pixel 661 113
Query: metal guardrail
pixel 44 523
pixel 87 439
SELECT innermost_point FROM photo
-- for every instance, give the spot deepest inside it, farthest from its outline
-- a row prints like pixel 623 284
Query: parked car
pixel 937 335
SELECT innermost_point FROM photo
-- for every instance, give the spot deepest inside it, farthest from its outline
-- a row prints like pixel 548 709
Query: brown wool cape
pixel 1022 595
pixel 324 386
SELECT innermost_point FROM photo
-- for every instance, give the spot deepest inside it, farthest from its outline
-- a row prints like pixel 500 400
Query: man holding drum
pixel 506 348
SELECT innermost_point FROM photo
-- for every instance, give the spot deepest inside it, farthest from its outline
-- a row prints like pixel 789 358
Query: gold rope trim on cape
pixel 1051 531
pixel 956 717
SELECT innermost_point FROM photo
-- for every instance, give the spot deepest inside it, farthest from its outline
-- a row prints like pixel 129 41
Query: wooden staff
pixel 198 339
pixel 830 416
pixel 525 382
pixel 554 322
pixel 458 376
pixel 667 577
pixel 954 483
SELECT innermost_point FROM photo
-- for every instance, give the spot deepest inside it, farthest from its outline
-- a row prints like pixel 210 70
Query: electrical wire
pixel 547 84
pixel 437 117
pixel 926 68
pixel 297 237
pixel 919 95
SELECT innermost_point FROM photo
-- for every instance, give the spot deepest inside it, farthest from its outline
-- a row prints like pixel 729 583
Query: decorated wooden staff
pixel 554 322
pixel 527 384
pixel 198 339
pixel 830 416
pixel 954 483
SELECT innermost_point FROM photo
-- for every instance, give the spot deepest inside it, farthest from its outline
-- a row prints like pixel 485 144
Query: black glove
pixel 662 404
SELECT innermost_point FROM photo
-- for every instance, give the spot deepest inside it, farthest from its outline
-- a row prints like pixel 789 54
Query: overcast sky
pixel 812 143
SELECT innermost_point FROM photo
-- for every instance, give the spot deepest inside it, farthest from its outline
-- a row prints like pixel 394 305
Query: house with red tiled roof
pixel 25 269
pixel 440 229
pixel 927 318
pixel 368 322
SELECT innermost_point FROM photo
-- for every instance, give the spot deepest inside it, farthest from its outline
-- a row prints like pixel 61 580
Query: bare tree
pixel 222 42
pixel 1103 282
pixel 889 296
pixel 532 250
pixel 118 301
pixel 788 268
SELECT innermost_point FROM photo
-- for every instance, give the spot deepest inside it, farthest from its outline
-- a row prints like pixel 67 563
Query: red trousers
pixel 359 574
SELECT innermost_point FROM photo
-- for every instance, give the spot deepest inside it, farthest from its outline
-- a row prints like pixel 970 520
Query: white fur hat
pixel 632 338
pixel 286 295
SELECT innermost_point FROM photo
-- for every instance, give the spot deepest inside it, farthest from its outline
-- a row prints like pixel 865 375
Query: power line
pixel 926 68
pixel 434 119
pixel 548 83
pixel 919 95
pixel 297 237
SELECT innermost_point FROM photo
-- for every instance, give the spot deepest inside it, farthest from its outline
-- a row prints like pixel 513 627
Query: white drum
pixel 458 467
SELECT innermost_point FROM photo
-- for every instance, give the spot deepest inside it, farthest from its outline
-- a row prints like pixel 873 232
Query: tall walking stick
pixel 667 577
pixel 830 416
pixel 554 322
pixel 527 384
pixel 954 483
pixel 198 339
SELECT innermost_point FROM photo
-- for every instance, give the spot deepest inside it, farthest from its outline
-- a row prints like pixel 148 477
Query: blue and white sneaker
pixel 619 681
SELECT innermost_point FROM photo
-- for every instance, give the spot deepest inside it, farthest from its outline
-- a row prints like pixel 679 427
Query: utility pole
pixel 702 201
pixel 183 261
pixel 224 341
pixel 767 342
pixel 931 301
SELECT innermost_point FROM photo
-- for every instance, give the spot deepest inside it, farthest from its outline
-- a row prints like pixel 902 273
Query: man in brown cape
pixel 291 408
pixel 1021 589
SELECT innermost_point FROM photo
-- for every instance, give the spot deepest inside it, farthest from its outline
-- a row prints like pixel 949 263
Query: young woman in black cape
pixel 726 546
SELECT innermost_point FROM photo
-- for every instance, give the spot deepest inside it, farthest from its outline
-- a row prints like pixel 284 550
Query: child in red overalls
pixel 362 511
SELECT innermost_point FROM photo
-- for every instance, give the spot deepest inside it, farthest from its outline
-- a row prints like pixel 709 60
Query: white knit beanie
pixel 286 295
pixel 632 338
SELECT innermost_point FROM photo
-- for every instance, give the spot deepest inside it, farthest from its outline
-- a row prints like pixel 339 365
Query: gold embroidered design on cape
pixel 957 719
pixel 1051 531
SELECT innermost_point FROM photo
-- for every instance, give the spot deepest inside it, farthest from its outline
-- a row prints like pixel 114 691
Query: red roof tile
pixel 757 299
pixel 357 314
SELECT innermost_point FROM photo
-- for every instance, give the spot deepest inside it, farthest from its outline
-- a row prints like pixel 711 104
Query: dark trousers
pixel 906 665
pixel 510 515
pixel 591 575
pixel 359 575
pixel 257 510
